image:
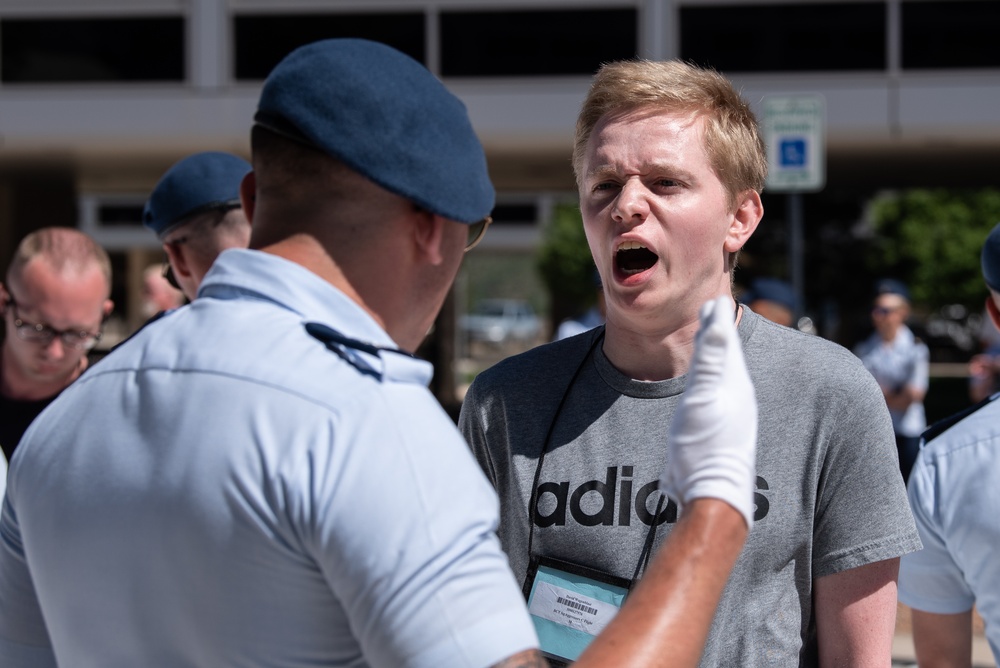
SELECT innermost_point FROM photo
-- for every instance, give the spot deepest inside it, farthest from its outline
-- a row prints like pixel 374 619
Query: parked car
pixel 501 321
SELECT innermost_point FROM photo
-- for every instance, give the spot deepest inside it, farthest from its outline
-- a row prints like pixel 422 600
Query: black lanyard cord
pixel 647 549
pixel 533 500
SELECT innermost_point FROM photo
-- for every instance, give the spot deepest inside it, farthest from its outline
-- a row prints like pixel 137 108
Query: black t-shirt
pixel 15 416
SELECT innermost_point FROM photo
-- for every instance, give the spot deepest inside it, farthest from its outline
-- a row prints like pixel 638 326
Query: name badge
pixel 570 604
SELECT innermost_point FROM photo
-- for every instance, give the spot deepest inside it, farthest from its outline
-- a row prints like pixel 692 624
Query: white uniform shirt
pixel 903 361
pixel 954 492
pixel 225 490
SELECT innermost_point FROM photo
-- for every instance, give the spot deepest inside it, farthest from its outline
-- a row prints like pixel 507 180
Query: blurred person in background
pixel 195 211
pixel 55 300
pixel 592 317
pixel 955 496
pixel 984 368
pixel 158 295
pixel 900 363
pixel 772 298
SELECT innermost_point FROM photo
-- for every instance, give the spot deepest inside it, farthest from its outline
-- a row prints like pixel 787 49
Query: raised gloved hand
pixel 712 444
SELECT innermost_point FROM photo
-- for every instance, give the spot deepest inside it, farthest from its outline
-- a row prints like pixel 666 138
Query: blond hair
pixel 732 138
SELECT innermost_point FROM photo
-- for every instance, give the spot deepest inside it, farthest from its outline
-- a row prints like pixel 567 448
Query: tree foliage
pixel 931 239
pixel 565 263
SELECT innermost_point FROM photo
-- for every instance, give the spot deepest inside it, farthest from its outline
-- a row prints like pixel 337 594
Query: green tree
pixel 931 239
pixel 565 263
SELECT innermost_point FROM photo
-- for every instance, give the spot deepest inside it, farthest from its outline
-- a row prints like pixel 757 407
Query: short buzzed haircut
pixel 65 249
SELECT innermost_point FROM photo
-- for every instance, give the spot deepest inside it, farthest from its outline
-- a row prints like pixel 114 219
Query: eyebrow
pixel 604 171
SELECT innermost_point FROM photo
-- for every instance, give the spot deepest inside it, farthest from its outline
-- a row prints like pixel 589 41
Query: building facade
pixel 99 97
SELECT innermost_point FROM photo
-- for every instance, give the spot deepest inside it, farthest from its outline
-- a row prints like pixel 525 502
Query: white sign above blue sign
pixel 795 134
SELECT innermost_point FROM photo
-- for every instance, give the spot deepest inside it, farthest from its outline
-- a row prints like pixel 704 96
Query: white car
pixel 502 320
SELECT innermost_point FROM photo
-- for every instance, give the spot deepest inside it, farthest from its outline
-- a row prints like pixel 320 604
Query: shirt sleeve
pixel 416 562
pixel 929 579
pixel 862 515
pixel 920 369
pixel 24 640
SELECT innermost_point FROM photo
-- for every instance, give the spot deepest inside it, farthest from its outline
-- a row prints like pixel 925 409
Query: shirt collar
pixel 243 272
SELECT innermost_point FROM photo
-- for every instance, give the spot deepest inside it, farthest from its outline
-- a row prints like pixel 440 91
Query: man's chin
pixel 52 374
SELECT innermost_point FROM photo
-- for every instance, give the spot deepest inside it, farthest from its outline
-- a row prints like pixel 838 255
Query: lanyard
pixel 647 549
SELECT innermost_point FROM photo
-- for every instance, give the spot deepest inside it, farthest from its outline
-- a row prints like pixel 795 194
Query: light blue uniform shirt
pixel 224 490
pixel 954 492
pixel 904 361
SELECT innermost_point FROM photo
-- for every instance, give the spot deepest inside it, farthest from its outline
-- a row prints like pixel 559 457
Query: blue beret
pixel 385 116
pixel 197 183
pixel 991 259
pixel 890 286
pixel 771 290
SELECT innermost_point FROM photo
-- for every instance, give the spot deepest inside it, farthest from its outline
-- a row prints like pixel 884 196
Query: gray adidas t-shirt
pixel 829 494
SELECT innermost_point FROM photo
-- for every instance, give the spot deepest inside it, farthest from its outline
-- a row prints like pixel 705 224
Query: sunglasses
pixel 477 231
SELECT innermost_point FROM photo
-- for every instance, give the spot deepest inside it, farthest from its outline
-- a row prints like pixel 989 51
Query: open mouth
pixel 634 258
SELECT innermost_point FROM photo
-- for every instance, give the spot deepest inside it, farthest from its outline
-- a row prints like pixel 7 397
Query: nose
pixel 55 349
pixel 631 205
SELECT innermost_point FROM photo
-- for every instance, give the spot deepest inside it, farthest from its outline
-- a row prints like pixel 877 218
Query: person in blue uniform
pixel 900 363
pixel 195 211
pixel 263 478
pixel 956 501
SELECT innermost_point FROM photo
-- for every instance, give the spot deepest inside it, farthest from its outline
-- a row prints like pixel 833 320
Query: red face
pixel 658 219
pixel 75 303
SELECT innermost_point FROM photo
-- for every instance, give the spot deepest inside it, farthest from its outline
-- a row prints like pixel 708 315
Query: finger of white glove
pixel 712 440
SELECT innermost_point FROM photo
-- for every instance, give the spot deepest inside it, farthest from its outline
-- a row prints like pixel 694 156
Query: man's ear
pixel 177 260
pixel 749 211
pixel 428 235
pixel 248 195
pixel 108 307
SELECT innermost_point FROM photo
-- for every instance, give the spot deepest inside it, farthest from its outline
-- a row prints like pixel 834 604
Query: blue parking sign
pixel 794 133
pixel 792 152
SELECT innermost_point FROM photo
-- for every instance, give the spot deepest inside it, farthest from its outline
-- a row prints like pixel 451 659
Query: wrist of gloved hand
pixel 711 446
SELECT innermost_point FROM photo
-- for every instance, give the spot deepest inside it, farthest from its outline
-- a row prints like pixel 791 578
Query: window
pixel 785 38
pixel 92 50
pixel 952 34
pixel 535 42
pixel 115 220
pixel 262 40
pixel 515 214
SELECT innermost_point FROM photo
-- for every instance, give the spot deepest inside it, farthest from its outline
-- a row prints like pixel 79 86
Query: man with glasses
pixel 195 211
pixel 55 299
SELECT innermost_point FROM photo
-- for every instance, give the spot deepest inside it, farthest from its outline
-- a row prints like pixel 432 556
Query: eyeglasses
pixel 477 231
pixel 884 310
pixel 43 334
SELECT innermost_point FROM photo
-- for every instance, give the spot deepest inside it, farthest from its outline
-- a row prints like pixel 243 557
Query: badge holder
pixel 569 604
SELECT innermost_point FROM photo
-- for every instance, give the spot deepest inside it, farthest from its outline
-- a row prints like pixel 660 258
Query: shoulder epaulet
pixel 947 423
pixel 341 345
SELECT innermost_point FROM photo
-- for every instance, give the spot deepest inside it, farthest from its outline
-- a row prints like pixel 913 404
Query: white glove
pixel 712 444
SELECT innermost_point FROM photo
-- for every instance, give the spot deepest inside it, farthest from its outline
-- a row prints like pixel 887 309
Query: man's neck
pixel 651 354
